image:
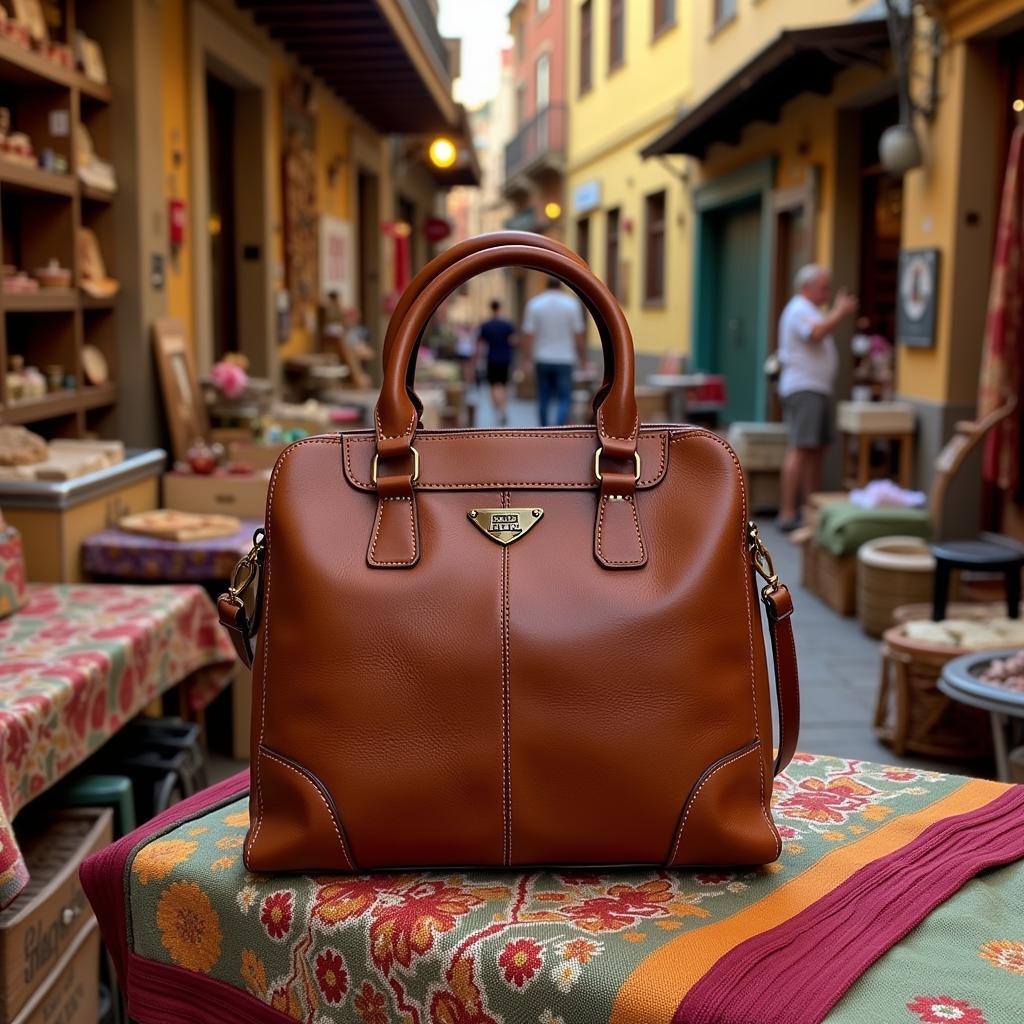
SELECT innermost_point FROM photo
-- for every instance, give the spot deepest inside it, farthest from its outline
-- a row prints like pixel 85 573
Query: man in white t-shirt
pixel 554 340
pixel 807 352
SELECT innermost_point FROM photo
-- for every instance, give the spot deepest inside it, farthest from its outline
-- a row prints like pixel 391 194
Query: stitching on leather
pixel 407 430
pixel 319 792
pixel 745 572
pixel 266 617
pixel 693 799
pixel 636 526
pixel 615 437
pixel 376 532
pixel 644 481
pixel 506 727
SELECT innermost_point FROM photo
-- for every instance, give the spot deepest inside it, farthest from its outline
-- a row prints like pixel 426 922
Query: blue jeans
pixel 554 380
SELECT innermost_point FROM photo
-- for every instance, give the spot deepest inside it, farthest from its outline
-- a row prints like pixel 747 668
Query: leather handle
pixel 617 419
pixel 452 255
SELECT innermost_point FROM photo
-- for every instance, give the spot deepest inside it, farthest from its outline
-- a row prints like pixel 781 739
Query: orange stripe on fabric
pixel 657 985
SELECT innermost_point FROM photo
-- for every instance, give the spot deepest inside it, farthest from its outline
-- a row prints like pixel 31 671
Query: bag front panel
pixel 504 705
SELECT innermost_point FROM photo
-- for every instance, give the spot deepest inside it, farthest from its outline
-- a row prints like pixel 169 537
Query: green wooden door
pixel 737 308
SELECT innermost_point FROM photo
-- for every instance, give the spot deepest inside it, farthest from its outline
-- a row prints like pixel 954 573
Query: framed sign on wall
pixel 918 297
pixel 337 260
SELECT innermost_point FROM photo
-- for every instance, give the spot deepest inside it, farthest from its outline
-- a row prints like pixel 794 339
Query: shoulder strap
pixel 779 606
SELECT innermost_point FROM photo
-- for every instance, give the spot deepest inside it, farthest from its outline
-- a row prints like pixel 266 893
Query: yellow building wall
pixel 607 128
pixel 718 52
pixel 334 125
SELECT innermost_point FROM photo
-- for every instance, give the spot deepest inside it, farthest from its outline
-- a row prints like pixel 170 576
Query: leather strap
pixel 452 255
pixel 779 606
pixel 235 620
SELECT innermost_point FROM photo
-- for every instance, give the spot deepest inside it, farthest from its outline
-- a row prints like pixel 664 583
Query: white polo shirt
pixel 807 365
pixel 554 318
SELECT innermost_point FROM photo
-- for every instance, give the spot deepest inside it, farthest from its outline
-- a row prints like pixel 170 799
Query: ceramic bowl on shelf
pixel 53 275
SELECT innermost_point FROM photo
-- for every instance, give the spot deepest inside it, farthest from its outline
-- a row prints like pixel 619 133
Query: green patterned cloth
pixel 570 947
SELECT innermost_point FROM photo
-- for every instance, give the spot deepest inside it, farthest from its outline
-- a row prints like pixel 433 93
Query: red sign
pixel 436 229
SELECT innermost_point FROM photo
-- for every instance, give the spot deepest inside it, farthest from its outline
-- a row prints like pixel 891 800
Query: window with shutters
pixel 611 251
pixel 664 15
pixel 583 238
pixel 586 46
pixel 616 33
pixel 654 249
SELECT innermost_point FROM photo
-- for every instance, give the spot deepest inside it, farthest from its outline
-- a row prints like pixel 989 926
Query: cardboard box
pixel 242 496
pixel 259 456
pixel 39 930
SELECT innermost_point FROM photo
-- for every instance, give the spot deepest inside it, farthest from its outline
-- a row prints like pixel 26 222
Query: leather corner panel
pixel 309 836
pixel 724 819
pixel 499 460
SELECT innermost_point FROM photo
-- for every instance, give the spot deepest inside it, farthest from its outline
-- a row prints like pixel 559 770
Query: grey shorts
pixel 808 414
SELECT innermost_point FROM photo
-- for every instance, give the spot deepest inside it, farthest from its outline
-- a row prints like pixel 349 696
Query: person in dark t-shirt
pixel 497 336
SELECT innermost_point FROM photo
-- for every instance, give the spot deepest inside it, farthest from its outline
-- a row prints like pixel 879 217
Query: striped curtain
pixel 1001 364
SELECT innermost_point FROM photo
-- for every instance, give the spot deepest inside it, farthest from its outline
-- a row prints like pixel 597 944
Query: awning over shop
pixel 383 57
pixel 795 62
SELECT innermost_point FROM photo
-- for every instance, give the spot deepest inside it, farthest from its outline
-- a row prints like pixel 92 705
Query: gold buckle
pixel 415 466
pixel 597 464
pixel 248 564
pixel 763 564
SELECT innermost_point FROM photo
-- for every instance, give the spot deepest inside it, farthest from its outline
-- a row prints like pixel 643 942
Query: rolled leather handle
pixel 617 419
pixel 452 255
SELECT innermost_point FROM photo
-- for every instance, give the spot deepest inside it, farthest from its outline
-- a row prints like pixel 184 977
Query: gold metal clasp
pixel 415 466
pixel 763 564
pixel 597 464
pixel 248 566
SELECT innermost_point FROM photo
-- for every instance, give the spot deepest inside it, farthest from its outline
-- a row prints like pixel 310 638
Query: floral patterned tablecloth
pixel 76 663
pixel 888 905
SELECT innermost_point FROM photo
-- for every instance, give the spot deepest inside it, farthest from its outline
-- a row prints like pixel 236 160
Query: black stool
pixel 989 553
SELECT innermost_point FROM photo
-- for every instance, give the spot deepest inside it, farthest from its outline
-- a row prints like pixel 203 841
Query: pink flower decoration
pixel 229 379
pixel 943 1009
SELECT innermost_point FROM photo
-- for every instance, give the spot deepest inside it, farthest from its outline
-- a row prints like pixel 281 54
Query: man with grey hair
pixel 807 353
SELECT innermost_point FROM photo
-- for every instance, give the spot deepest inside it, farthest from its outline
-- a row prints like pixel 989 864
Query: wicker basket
pixel 913 714
pixel 891 571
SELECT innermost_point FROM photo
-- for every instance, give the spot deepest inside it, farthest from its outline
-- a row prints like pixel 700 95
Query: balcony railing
pixel 542 136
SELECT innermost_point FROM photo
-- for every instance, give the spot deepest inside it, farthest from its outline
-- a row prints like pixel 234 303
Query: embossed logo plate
pixel 505 525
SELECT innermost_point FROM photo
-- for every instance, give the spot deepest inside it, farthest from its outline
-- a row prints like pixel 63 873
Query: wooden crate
pixel 243 496
pixel 831 578
pixel 40 928
pixel 70 995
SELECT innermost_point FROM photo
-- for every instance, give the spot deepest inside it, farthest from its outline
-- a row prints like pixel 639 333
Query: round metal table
pixel 960 680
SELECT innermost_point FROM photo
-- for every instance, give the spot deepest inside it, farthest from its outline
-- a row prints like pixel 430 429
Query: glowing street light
pixel 442 152
pixel 552 211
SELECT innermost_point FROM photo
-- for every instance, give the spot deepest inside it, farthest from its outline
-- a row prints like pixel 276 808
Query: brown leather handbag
pixel 505 648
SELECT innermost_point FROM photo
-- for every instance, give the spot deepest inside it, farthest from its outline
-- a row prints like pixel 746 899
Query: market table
pixel 76 663
pixel 118 554
pixel 960 680
pixel 876 911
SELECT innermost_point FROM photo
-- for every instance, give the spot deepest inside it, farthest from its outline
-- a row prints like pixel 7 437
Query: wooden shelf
pixel 18 64
pixel 91 90
pixel 34 179
pixel 96 195
pixel 46 300
pixel 95 396
pixel 60 403
pixel 91 302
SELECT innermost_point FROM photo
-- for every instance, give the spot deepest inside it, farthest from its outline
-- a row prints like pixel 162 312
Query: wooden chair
pixel 989 552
